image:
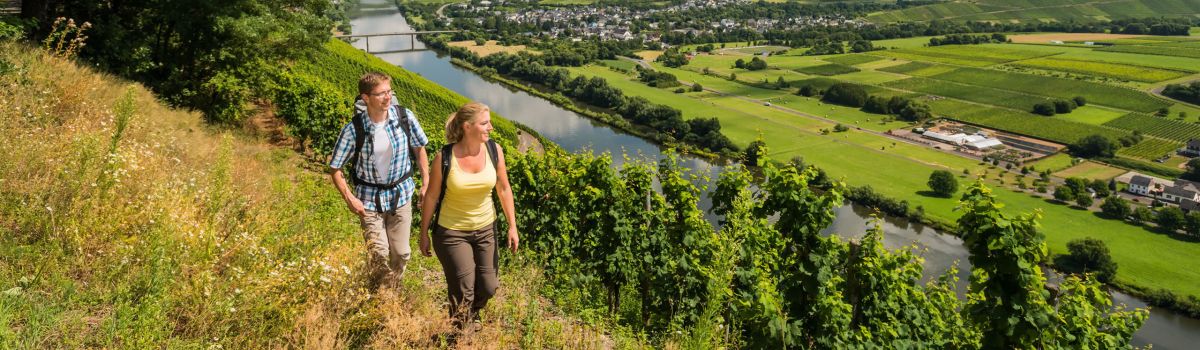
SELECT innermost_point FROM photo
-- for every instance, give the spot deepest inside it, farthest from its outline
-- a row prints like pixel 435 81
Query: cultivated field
pixel 995 97
pixel 1095 93
pixel 1048 128
pixel 1067 37
pixel 1104 69
pixel 1157 126
pixel 1151 149
pixel 827 69
pixel 851 59
pixel 1091 170
pixel 488 48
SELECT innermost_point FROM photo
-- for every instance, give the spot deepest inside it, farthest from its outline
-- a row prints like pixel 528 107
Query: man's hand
pixel 421 195
pixel 356 206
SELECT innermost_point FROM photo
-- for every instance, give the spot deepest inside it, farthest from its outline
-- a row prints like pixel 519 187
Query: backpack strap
pixel 447 153
pixel 360 136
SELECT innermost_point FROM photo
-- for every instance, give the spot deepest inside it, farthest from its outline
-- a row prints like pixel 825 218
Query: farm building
pixel 1174 192
pixel 975 142
pixel 1192 149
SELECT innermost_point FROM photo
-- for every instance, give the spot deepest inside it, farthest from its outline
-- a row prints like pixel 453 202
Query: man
pixel 381 142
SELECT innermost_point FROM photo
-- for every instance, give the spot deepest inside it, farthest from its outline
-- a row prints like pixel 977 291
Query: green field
pixel 1039 10
pixel 827 69
pixel 1091 115
pixel 978 94
pixel 1156 126
pixel 963 55
pixel 1091 170
pixel 1054 163
pixel 1103 69
pixel 620 64
pixel 1047 128
pixel 851 59
pixel 1095 93
pixel 1151 149
pixel 1155 50
pixel 920 69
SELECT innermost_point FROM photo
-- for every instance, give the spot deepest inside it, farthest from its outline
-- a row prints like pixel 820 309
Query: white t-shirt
pixel 382 153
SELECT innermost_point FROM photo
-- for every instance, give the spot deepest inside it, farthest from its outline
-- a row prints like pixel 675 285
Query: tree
pixel 1193 170
pixel 1044 108
pixel 756 152
pixel 1170 219
pixel 1192 226
pixel 780 83
pixel 756 64
pixel 846 94
pixel 915 112
pixel 1142 215
pixel 808 91
pixel 1094 146
pixel 1063 106
pixel 943 183
pixel 697 88
pixel 1084 200
pixel 740 63
pixel 1089 255
pixel 1064 194
pixel 1080 101
pixel 1116 207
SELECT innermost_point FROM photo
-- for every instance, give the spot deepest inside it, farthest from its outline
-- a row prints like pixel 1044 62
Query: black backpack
pixel 447 153
pixel 360 137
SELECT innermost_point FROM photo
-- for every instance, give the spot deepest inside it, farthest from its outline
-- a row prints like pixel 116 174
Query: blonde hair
pixel 465 114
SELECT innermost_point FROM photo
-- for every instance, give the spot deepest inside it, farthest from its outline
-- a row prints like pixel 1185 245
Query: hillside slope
pixel 1041 10
pixel 127 224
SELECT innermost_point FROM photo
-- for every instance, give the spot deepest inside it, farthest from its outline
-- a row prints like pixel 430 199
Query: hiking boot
pixel 476 322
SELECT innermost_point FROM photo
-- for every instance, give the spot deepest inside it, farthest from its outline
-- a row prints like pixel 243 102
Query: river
pixel 576 133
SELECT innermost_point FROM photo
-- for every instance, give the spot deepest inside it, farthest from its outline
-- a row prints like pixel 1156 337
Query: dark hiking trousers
pixel 469 261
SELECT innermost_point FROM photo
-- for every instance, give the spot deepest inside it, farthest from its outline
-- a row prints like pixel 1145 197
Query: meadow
pixel 1155 50
pixel 828 69
pixel 1090 170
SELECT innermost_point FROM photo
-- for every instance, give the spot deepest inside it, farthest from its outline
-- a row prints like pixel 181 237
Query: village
pixel 624 23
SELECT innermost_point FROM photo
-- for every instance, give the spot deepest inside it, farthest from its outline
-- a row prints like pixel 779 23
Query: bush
pixel 1094 146
pixel 1063 106
pixel 846 94
pixel 1089 255
pixel 1170 219
pixel 1044 108
pixel 943 183
pixel 1116 207
pixel 1080 101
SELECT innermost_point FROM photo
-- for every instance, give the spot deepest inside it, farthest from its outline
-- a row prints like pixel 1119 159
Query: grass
pixel 919 69
pixel 1091 170
pixel 964 55
pixel 620 64
pixel 1091 115
pixel 172 233
pixel 1054 163
pixel 1155 50
pixel 490 47
pixel 984 95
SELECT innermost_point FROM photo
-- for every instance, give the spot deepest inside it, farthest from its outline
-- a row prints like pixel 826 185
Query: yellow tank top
pixel 468 202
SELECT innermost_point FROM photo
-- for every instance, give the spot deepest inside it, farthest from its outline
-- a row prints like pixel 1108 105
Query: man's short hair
pixel 370 80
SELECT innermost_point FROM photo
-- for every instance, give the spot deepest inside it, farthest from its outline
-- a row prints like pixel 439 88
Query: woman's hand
pixel 424 243
pixel 513 239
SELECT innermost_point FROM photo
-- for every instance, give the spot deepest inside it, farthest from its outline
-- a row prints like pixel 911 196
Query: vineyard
pixel 852 59
pixel 1155 126
pixel 827 69
pixel 1155 50
pixel 919 69
pixel 1002 98
pixel 963 55
pixel 1048 128
pixel 1151 149
pixel 609 240
pixel 1104 69
pixel 1095 93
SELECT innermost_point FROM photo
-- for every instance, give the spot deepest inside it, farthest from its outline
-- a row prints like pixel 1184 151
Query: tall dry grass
pixel 128 224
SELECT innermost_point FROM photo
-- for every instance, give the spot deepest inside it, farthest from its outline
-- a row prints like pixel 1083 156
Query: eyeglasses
pixel 380 94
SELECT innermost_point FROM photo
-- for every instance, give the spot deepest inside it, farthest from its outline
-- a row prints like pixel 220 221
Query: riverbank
pixel 607 118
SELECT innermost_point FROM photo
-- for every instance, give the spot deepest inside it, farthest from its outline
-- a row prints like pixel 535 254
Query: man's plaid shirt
pixel 400 163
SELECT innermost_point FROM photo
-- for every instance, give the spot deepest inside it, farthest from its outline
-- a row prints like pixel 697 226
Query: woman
pixel 464 236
